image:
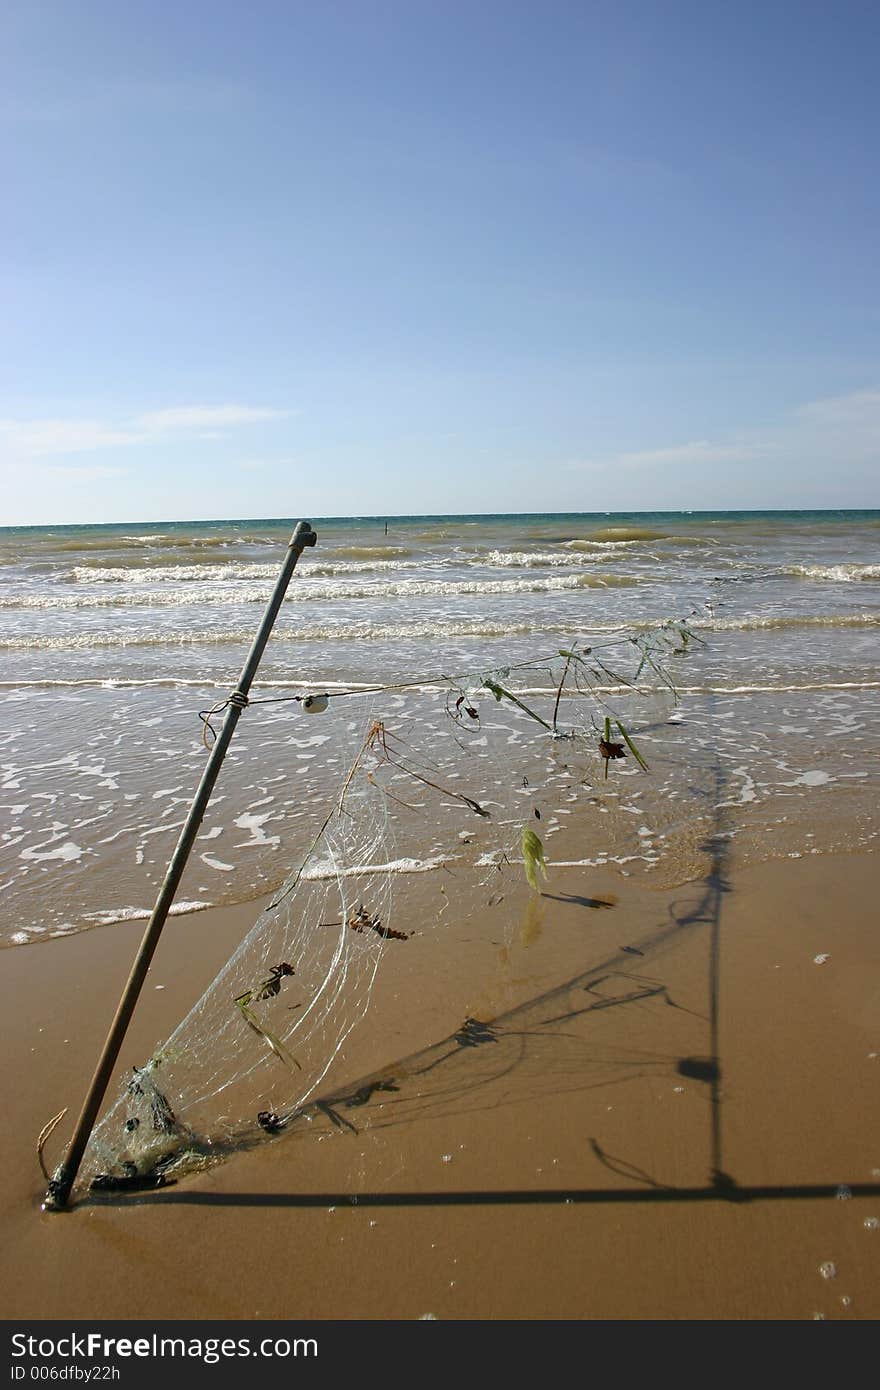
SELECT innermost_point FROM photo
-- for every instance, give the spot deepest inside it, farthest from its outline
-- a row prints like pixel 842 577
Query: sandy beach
pixel 667 1111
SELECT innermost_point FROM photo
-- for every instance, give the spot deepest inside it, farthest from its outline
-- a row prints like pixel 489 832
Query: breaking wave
pixel 312 592
pixel 370 552
pixel 418 630
pixel 836 574
pixel 211 573
pixel 543 559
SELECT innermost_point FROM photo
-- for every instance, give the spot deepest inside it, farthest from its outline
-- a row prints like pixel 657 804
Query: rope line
pixel 442 678
pixel 237 699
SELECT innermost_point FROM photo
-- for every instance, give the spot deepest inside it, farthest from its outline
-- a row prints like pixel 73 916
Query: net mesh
pixel 457 765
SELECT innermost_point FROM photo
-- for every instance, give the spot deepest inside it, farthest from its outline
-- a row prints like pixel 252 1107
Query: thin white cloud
pixel 79 472
pixel 190 417
pixel 255 465
pixel 698 451
pixel 33 438
pixel 829 432
pixel 857 411
pixel 49 437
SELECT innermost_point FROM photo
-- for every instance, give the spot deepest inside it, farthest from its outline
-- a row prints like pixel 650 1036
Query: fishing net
pixel 457 765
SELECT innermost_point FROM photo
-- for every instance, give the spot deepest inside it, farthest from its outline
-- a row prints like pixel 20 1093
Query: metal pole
pixel 59 1187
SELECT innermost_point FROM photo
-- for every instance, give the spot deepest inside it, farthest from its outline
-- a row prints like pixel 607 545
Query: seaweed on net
pixel 268 1036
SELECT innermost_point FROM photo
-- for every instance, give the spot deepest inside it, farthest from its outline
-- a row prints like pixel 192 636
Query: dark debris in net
pixel 473 1032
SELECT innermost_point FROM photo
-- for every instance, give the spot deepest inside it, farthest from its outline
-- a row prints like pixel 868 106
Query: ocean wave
pixel 541 559
pixel 599 547
pixel 754 623
pixel 153 540
pixel 302 632
pixel 370 552
pixel 838 574
pixel 629 533
pixel 234 595
pixel 213 573
pixel 418 631
pixel 169 574
pixel 324 570
pixel 141 914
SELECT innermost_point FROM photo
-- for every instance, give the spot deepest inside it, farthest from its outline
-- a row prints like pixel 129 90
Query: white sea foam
pixel 542 559
pixel 68 852
pixel 837 574
pixel 160 540
pixel 228 573
pixel 574 553
pixel 141 914
pixel 317 632
pixel 755 622
pixel 435 630
pixel 322 569
pixel 169 574
pixel 103 683
pixel 588 546
pixel 106 918
pixel 254 826
pixel 310 591
pixel 370 552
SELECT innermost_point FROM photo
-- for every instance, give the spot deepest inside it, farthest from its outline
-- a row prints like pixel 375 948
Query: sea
pixel 761 729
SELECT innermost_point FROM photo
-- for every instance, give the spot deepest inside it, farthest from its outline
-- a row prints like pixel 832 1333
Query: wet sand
pixel 670 1113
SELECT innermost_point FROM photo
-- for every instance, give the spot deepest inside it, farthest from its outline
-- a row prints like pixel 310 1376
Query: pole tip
pixel 303 534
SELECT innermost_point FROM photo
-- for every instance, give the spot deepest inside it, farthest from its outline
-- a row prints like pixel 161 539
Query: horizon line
pixel 441 516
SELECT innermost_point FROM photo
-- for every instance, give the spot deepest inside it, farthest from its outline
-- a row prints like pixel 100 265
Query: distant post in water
pixel 65 1175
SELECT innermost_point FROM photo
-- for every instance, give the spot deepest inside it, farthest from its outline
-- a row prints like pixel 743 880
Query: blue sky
pixel 362 257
